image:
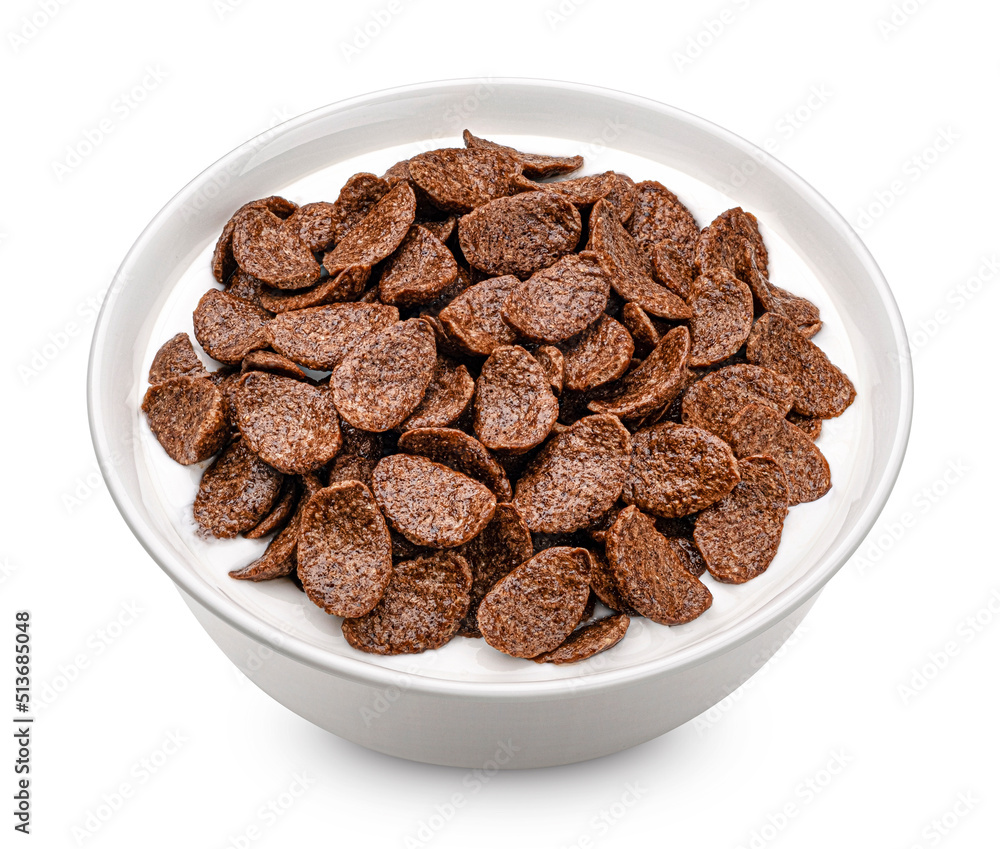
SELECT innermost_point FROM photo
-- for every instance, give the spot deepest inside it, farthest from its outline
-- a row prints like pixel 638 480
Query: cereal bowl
pixel 467 704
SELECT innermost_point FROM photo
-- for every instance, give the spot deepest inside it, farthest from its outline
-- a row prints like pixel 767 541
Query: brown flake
pixel 535 607
pixel 672 268
pixel 722 315
pixel 473 319
pixel 321 337
pixel 627 269
pixel 640 327
pixel 514 408
pixel 576 477
pixel 598 355
pixel 738 537
pixel 587 641
pixel 500 547
pixel 461 179
pixel 533 165
pixel 291 424
pixel 821 389
pixel 378 234
pixel 559 301
pixel 273 363
pixel 648 573
pixel 229 328
pixel 678 469
pixel 176 358
pixel 421 608
pixel 653 384
pixel 223 264
pixel 187 415
pixel 660 216
pixel 448 395
pixel 430 504
pixel 236 491
pixel 553 363
pixel 266 249
pixel 458 451
pixel 519 235
pixel 347 285
pixel 314 224
pixel 716 399
pixel 381 383
pixel 418 272
pixel 762 430
pixel 344 554
pixel 360 451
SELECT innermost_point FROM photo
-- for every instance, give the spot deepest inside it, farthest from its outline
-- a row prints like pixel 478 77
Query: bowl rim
pixel 360 669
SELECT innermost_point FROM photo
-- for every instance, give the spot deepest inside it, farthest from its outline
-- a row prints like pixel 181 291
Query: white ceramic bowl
pixel 467 705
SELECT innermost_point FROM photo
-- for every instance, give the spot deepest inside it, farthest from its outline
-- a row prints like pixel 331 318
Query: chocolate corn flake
pixel 421 608
pixel 504 544
pixel 811 427
pixel 419 271
pixel 603 585
pixel 589 640
pixel 672 269
pixel 660 216
pixel 654 383
pixel 431 504
pixel 474 319
pixel 321 337
pixel 514 408
pixel 458 451
pixel 223 263
pixel 586 191
pixel 644 333
pixel 381 383
pixel 722 315
pixel 229 328
pixel 314 224
pixel 576 477
pixel 176 358
pixel 356 199
pixel 519 235
pixel 344 554
pixel 378 234
pixel 802 312
pixel 738 537
pixel 762 430
pixel 821 389
pixel 535 607
pixel 187 415
pixel 291 424
pixel 720 244
pixel 648 574
pixel 347 285
pixel 280 557
pixel 236 491
pixel 627 269
pixel 266 248
pixel 281 511
pixel 448 395
pixel 462 179
pixel 716 399
pixel 360 451
pixel 440 230
pixel 677 469
pixel 275 363
pixel 688 554
pixel 553 363
pixel 600 354
pixel 559 301
pixel 533 165
pixel 246 287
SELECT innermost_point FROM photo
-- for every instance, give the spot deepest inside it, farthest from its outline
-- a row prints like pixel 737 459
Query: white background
pixel 826 747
